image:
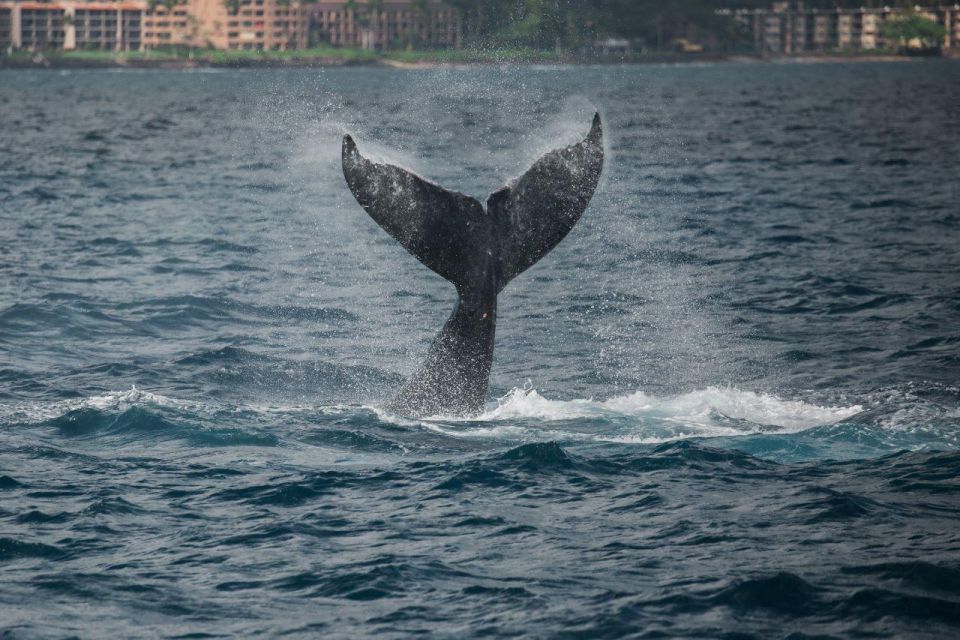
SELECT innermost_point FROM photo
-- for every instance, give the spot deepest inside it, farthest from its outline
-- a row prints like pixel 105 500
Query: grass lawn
pixel 320 54
pixel 327 55
pixel 474 55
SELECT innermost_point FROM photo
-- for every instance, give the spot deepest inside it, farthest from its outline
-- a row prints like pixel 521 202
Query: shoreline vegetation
pixel 403 59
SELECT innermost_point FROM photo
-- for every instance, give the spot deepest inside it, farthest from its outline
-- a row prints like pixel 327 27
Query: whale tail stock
pixel 478 249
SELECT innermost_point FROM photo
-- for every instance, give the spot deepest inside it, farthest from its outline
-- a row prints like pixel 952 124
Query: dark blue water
pixel 728 401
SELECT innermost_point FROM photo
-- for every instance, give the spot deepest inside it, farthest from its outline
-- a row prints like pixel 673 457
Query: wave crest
pixel 523 415
pixel 700 408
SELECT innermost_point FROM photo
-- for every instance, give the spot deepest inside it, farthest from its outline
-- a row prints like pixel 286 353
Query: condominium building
pixel 124 25
pixel 69 25
pixel 6 27
pixel 387 24
pixel 788 28
pixel 244 24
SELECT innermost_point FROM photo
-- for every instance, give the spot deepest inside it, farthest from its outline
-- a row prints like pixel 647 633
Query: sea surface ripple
pixel 726 406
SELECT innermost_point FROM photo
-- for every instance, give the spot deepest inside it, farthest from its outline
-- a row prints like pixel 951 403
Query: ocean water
pixel 726 406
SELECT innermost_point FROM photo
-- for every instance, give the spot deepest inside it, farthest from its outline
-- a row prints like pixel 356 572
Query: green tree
pixel 912 30
pixel 369 16
pixel 573 23
pixel 419 24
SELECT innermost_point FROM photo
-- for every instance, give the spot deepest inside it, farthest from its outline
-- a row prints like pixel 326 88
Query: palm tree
pixel 365 18
pixel 419 28
pixel 376 8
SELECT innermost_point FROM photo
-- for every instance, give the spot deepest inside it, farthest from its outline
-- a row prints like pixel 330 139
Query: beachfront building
pixel 261 25
pixel 71 25
pixel 387 24
pixel 790 28
pixel 6 27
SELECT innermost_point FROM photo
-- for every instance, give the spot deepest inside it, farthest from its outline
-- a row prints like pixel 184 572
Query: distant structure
pixel 612 46
pixel 70 25
pixel 387 24
pixel 261 25
pixel 789 28
pixel 256 25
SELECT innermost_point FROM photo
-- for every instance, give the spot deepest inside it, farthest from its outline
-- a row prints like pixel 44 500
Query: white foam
pixel 525 415
pixel 643 418
pixel 134 397
pixel 113 400
pixel 695 408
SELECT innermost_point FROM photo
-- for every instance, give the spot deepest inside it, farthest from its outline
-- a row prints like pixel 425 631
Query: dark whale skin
pixel 480 250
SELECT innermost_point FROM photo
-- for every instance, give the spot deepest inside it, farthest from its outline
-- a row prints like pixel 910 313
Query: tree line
pixel 657 24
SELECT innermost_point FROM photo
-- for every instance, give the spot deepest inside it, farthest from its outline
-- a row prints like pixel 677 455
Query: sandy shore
pixel 70 61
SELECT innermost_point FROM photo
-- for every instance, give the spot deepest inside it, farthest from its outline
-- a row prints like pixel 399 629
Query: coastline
pixel 407 60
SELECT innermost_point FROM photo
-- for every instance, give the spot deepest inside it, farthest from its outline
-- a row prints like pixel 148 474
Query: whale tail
pixel 478 249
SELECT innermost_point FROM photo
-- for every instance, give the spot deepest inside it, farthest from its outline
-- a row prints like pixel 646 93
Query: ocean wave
pixel 641 418
pixel 34 412
pixel 699 408
pixel 912 418
pixel 136 424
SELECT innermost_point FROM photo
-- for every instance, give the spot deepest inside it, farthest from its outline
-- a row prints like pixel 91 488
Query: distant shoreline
pixel 397 60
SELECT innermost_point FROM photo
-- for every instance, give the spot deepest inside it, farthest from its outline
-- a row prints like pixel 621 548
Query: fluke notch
pixel 480 250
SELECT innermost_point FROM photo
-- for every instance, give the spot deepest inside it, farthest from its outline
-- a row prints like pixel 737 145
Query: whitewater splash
pixel 703 410
pixel 112 401
pixel 640 418
pixel 696 408
pixel 881 421
pixel 119 401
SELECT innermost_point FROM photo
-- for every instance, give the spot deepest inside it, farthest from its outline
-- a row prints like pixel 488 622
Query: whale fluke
pixel 480 250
